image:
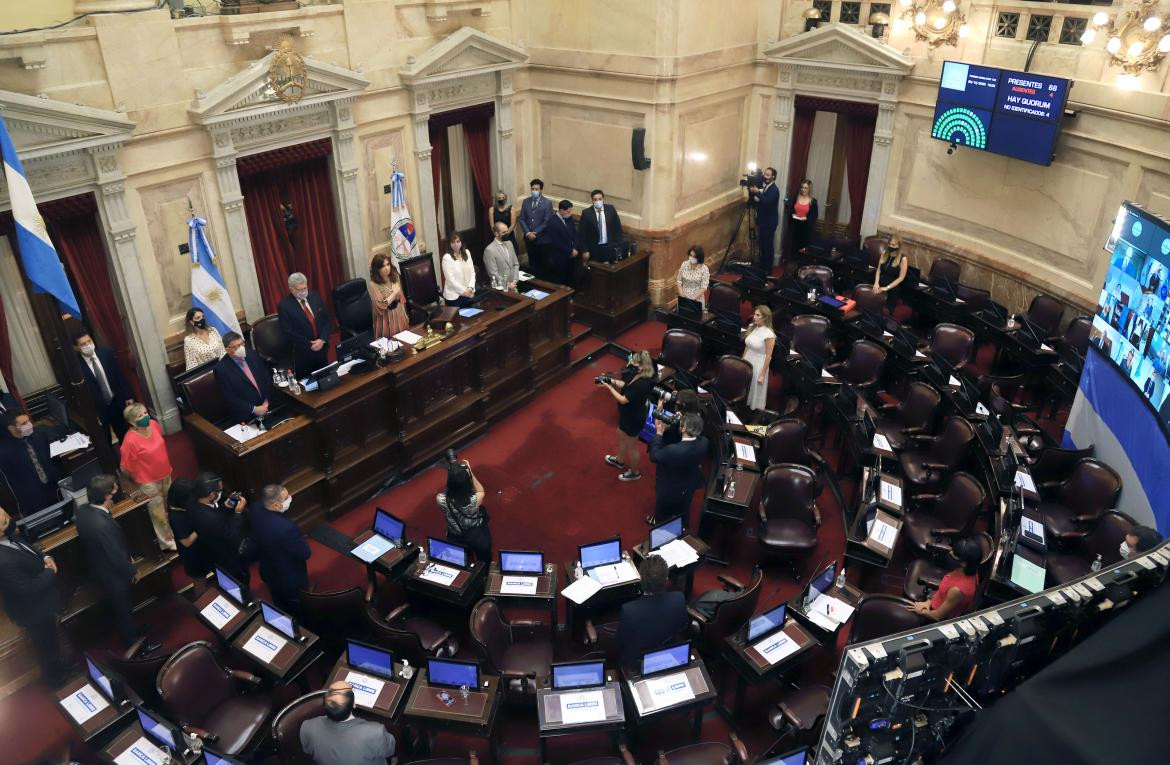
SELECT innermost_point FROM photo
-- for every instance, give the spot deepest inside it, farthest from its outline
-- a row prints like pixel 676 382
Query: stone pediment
pixel 465 52
pixel 839 46
pixel 42 127
pixel 248 93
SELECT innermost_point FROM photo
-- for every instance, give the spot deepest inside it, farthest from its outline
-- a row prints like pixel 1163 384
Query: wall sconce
pixel 935 22
pixel 812 17
pixel 880 23
pixel 1140 42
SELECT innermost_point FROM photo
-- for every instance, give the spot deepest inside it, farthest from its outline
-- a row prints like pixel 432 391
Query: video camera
pixel 603 379
pixel 754 177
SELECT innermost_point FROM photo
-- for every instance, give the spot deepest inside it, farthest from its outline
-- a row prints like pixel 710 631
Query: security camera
pixel 952 148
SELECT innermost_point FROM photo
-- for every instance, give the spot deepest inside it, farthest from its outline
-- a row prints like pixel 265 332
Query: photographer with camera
pixel 219 525
pixel 631 393
pixel 766 199
pixel 679 466
pixel 462 506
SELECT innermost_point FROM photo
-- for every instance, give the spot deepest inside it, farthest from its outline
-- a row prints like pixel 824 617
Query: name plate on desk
pixel 882 443
pixel 667 691
pixel 142 752
pixel 265 644
pixel 366 689
pixel 439 574
pixel 242 433
pixel 745 452
pixel 510 584
pixel 584 707
pixel 84 703
pixel 890 493
pixel 776 647
pixel 219 612
pixel 372 549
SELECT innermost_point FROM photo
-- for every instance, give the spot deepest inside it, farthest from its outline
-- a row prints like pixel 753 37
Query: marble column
pixel 505 144
pixel 232 202
pixel 348 204
pixel 879 160
pixel 782 126
pixel 426 184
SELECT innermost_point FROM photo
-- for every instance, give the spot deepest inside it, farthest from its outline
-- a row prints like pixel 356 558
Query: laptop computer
pixel 356 347
pixel 232 588
pixel 279 620
pixel 820 584
pixel 389 532
pixel 108 685
pixel 765 624
pixel 369 658
pixel 448 673
pixel 447 552
pixel 521 562
pixel 602 562
pixel 666 659
pixel 575 675
pixel 219 759
pixel 665 532
pixel 160 731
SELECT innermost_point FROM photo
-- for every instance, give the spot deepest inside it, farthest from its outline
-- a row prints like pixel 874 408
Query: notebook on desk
pixel 603 563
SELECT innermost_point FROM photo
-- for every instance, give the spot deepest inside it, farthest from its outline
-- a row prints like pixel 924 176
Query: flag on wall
pixel 403 235
pixel 208 292
pixel 37 254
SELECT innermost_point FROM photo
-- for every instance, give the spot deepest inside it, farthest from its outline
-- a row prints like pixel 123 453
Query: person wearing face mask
pixel 243 380
pixel 217 518
pixel 499 258
pixel 306 324
pixel 502 212
pixel 600 230
pixel 1140 539
pixel 108 386
pixel 536 214
pixel 458 274
pixel 202 343
pixel 280 548
pixel 694 276
pixel 32 597
pixel 144 461
pixel 26 466
pixel 562 245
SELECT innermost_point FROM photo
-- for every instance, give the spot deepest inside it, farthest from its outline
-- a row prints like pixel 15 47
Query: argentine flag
pixel 208 292
pixel 403 239
pixel 37 254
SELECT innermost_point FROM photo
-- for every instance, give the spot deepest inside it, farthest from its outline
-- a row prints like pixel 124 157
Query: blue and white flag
pixel 37 254
pixel 208 292
pixel 403 239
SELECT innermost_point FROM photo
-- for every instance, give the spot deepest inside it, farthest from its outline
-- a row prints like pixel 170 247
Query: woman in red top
pixel 956 591
pixel 146 463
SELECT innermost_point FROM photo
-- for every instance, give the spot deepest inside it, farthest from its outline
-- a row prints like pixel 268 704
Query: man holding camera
pixel 219 524
pixel 680 467
pixel 766 200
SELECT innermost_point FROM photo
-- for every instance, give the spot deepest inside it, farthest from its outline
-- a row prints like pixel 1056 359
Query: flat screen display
pixel 447 552
pixel 666 533
pixel 162 733
pixel 766 622
pixel 1016 114
pixel 453 674
pixel 230 587
pixel 589 674
pixel 278 620
pixel 823 582
pixel 666 658
pixel 100 679
pixel 601 553
pixel 521 562
pixel 215 759
pixel 369 659
pixel 387 526
pixel 1130 325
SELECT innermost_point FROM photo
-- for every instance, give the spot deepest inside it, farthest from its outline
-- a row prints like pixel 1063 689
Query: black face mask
pixel 201 324
pixel 501 201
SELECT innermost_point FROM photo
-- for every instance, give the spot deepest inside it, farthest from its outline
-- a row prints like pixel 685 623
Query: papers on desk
pixel 1027 574
pixel 581 590
pixel 886 334
pixel 439 574
pixel 891 492
pixel 745 452
pixel 793 352
pixel 242 432
pixel 881 442
pixel 265 644
pixel 677 553
pixel 828 610
pixel 343 369
pixel 84 703
pixel 882 533
pixel 1046 347
pixel 220 611
pixel 954 382
pixel 524 276
pixel 511 584
pixel 616 573
pixel 69 443
pixel 981 409
pixel 776 647
pixel 669 690
pixel 366 689
pixel 733 419
pixel 536 294
pixel 467 313
pixel 1024 481
pixel 385 345
pixel 408 337
pixel 142 752
pixel 373 548
pixel 584 707
pixel 919 354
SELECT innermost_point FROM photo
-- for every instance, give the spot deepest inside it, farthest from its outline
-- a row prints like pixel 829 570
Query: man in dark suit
pixel 32 597
pixel 599 234
pixel 339 738
pixel 25 465
pixel 654 619
pixel 107 385
pixel 243 380
pixel 306 325
pixel 8 403
pixel 767 204
pixel 561 251
pixel 220 525
pixel 680 468
pixel 536 214
pixel 281 549
pixel 108 554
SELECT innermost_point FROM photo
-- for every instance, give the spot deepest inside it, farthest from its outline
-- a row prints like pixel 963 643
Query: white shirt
pixel 458 276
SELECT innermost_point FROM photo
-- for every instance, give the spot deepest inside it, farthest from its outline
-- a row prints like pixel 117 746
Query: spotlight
pixel 1100 19
pixel 1152 24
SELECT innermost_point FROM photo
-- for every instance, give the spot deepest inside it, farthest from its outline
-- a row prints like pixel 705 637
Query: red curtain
pixel 802 126
pixel 313 248
pixel 6 355
pixel 479 152
pixel 858 148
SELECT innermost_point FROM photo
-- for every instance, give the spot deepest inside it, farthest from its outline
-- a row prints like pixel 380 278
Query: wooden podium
pixel 612 297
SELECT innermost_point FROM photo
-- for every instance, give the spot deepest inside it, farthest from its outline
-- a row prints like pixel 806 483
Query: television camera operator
pixel 765 197
pixel 679 464
pixel 632 390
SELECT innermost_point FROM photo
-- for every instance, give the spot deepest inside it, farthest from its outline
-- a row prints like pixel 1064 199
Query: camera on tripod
pixel 603 379
pixel 754 177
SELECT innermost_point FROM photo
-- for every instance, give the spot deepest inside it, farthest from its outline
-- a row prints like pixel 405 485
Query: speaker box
pixel 638 149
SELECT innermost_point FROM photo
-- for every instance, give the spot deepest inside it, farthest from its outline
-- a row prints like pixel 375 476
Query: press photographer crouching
pixel 680 463
pixel 632 392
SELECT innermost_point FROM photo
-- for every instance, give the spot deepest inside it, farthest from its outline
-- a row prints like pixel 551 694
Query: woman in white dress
pixel 458 274
pixel 202 343
pixel 759 342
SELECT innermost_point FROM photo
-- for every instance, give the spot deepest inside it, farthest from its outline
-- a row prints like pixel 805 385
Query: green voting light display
pixel 961 126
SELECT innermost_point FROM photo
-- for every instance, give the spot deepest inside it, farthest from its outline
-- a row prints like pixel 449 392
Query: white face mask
pixel 26 430
pixel 286 504
pixel 1124 549
pixel 240 352
pixel 88 349
pixel 301 294
pixel 536 194
pixel 693 260
pixel 599 205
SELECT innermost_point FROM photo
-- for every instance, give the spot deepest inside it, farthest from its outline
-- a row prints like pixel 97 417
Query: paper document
pixel 1046 347
pixel 536 294
pixel 1024 481
pixel 581 590
pixel 886 334
pixel 919 354
pixel 373 548
pixel 439 574
pixel 513 584
pixel 669 690
pixel 220 611
pixel 366 689
pixel 265 644
pixel 776 647
pixel 883 533
pixel 1032 528
pixel 881 442
pixel 677 553
pixel 793 352
pixel 408 337
pixel 835 609
pixel 242 432
pixel 615 573
pixel 892 493
pixel 954 382
pixel 467 313
pixel 69 443
pixel 981 409
pixel 142 752
pixel 1027 574
pixel 733 419
pixel 84 703
pixel 745 452
pixel 343 369
pixel 584 707
pixel 385 345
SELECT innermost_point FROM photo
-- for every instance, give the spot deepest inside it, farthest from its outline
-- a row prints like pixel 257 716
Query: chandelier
pixel 935 22
pixel 1140 41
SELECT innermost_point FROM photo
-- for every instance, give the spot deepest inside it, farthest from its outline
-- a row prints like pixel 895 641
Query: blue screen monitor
pixel 279 620
pixel 578 674
pixel 100 679
pixel 600 553
pixel 769 621
pixel 514 562
pixel 387 526
pixel 231 587
pixel 452 674
pixel 447 552
pixel 666 659
pixel 369 658
pixel 665 533
pixel 823 582
pixel 158 729
pixel 795 757
pixel 218 759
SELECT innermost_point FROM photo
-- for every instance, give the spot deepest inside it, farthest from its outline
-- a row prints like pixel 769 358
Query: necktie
pixel 309 314
pixel 604 239
pixel 36 463
pixel 99 374
pixel 248 373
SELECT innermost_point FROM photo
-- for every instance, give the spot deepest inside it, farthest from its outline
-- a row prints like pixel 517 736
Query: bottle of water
pixel 464 693
pixel 1096 564
pixel 840 579
pixel 194 743
pixel 578 572
pixel 730 483
pixel 407 670
pixel 422 555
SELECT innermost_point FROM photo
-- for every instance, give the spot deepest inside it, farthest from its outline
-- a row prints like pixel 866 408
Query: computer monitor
pixel 518 562
pixel 767 622
pixel 578 674
pixel 600 553
pixel 665 533
pixel 387 526
pixel 692 309
pixel 44 522
pixel 452 674
pixel 109 686
pixel 159 730
pixel 57 410
pixel 666 659
pixel 822 582
pixel 356 347
pixel 368 658
pixel 279 620
pixel 231 587
pixel 446 552
pixel 794 757
pixel 219 759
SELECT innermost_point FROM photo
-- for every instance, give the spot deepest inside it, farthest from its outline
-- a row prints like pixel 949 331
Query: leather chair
pixel 1091 489
pixel 352 307
pixel 139 670
pixel 203 697
pixel 873 247
pixel 975 298
pixel 1028 432
pixel 706 753
pixel 912 417
pixel 944 270
pixel 1053 465
pixel 863 366
pixel 924 575
pixel 517 660
pixel 681 349
pixel 786 440
pixel 953 343
pixel 950 514
pixel 810 334
pixel 1076 335
pixel 335 615
pixel 937 455
pixel 286 727
pixel 869 300
pixel 798 712
pixel 270 343
pixel 880 615
pixel 823 275
pixel 788 512
pixel 413 638
pixel 731 614
pixel 202 396
pixel 723 298
pixel 1104 540
pixel 420 283
pixel 732 380
pixel 1045 312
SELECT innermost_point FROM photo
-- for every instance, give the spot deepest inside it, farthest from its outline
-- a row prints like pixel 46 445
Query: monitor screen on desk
pixel 514 562
pixel 354 347
pixel 797 757
pixel 103 681
pixel 447 552
pixel 163 733
pixel 766 622
pixel 453 674
pixel 369 658
pixel 667 532
pixel 823 582
pixel 600 553
pixel 578 674
pixel 279 620
pixel 231 587
pixel 387 526
pixel 218 759
pixel 666 659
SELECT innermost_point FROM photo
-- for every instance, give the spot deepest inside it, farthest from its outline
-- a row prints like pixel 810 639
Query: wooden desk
pixel 752 668
pixel 392 563
pixel 720 508
pixel 640 696
pixel 237 620
pixel 612 297
pixel 549 333
pixel 551 725
pixel 389 701
pixel 701 548
pixel 98 730
pixel 293 658
pixel 546 591
pixel 461 593
pixel 607 597
pixel 128 737
pixel 848 593
pixel 474 717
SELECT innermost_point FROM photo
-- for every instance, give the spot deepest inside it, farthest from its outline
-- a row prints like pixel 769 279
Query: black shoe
pixel 148 647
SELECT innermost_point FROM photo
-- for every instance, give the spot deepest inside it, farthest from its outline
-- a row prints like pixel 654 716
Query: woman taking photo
pixel 891 268
pixel 145 462
pixel 694 276
pixel 458 274
pixel 631 394
pixel 759 342
pixel 462 506
pixel 389 306
pixel 202 343
pixel 802 215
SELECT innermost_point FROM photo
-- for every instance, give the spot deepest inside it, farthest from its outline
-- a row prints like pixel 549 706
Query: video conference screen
pixel 1016 114
pixel 1130 326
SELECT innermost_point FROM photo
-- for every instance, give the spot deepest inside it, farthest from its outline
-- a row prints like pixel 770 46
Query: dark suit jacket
pixel 281 550
pixel 31 594
pixel 220 532
pixel 18 472
pixel 295 325
pixel 118 384
pixel 105 548
pixel 680 465
pixel 589 229
pixel 536 215
pixel 649 622
pixel 8 402
pixel 768 209
pixel 562 238
pixel 237 391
